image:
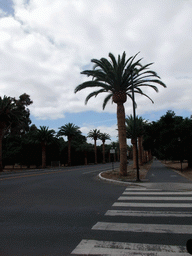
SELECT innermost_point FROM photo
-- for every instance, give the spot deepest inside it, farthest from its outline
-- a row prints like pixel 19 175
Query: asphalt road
pixel 69 210
pixel 48 212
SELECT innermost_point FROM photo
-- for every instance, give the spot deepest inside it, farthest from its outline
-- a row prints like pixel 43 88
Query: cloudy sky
pixel 45 44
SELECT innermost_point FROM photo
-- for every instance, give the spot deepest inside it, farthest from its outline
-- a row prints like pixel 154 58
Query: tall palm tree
pixel 44 136
pixel 117 77
pixel 103 137
pixel 70 130
pixel 94 134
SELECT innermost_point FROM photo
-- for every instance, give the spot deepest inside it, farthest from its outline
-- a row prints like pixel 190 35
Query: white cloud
pixel 46 45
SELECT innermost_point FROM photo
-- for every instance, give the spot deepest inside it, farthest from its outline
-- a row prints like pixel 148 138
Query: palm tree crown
pixel 114 77
pixel 104 136
pixel 70 130
pixel 94 134
pixel 44 135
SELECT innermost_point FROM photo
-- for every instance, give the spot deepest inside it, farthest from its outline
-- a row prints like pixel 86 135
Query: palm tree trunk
pixel 122 138
pixel 103 152
pixel 95 146
pixel 43 154
pixel 133 141
pixel 69 151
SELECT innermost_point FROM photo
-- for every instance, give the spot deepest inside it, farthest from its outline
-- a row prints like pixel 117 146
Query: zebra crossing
pixel 144 213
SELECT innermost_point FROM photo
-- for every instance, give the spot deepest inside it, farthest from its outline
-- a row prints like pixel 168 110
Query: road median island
pixel 114 175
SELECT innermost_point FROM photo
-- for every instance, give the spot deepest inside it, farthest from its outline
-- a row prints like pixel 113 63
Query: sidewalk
pixel 159 177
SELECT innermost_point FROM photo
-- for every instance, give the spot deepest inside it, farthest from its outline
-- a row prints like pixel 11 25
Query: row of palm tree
pixel 95 135
pixel 70 130
pixel 14 120
pixel 45 136
pixel 135 132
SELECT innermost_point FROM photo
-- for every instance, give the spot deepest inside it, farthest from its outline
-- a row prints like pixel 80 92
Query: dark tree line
pixel 35 148
pixel 170 138
pixel 25 144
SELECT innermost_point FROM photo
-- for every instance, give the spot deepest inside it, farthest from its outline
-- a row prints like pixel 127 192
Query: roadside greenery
pixel 168 138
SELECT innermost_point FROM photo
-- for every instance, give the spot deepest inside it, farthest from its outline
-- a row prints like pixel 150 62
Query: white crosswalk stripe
pixel 145 228
pixel 157 205
pixel 143 203
pixel 154 198
pixel 148 213
pixel 94 247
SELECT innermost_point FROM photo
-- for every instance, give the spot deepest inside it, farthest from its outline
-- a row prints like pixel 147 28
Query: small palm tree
pixel 94 134
pixel 118 78
pixel 44 136
pixel 70 130
pixel 103 137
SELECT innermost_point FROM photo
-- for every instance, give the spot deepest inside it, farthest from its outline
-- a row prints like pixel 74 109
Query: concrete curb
pixel 119 182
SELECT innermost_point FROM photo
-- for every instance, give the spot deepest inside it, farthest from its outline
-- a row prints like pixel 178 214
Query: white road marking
pixel 94 247
pixel 147 213
pixel 155 198
pixel 138 227
pixel 89 172
pixel 103 169
pixel 158 193
pixel 165 205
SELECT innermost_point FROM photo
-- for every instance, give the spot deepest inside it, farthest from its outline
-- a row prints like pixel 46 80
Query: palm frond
pixel 107 99
pixel 90 84
pixel 93 94
pixel 117 75
pixel 145 96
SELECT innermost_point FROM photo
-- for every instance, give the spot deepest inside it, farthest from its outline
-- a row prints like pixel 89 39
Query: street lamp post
pixel 134 126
